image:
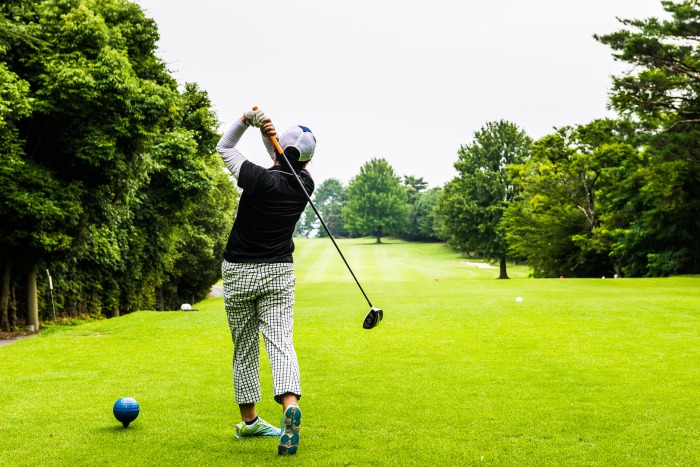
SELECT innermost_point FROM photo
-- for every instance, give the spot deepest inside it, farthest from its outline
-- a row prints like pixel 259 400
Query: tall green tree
pixel 22 197
pixel 664 93
pixel 376 201
pixel 472 204
pixel 98 74
pixel 661 94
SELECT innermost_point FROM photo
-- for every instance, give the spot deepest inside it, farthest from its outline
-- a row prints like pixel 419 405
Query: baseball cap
pixel 300 138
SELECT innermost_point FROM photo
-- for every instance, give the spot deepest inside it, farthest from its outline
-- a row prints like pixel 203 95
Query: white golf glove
pixel 254 118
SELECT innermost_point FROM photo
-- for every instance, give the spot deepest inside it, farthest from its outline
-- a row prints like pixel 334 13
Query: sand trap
pixel 478 265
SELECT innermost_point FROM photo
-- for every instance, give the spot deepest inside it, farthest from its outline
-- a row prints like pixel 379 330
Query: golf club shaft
pixel 318 214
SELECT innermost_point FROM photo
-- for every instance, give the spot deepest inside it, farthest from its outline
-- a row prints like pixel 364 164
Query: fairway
pixel 581 372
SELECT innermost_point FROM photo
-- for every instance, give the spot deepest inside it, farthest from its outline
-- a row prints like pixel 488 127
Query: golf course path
pixel 12 339
pixel 478 265
pixel 216 291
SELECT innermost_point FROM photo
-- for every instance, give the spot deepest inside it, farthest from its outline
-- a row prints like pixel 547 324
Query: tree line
pixel 111 184
pixel 613 196
pixel 376 203
pixel 609 197
pixel 109 177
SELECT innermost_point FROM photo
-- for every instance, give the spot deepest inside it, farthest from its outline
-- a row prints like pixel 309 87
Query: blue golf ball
pixel 126 410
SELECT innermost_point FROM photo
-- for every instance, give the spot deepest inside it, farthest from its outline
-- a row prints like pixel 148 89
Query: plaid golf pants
pixel 259 297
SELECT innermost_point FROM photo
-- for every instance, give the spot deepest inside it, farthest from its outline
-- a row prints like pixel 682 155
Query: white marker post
pixel 53 305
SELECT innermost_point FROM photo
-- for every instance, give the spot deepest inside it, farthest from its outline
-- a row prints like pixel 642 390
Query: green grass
pixel 581 372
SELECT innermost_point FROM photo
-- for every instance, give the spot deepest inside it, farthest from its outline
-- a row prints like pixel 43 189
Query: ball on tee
pixel 126 410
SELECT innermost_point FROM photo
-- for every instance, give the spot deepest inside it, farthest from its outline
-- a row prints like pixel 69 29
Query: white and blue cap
pixel 300 138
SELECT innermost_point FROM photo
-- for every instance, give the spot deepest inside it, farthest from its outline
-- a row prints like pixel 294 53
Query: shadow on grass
pixel 117 429
pixel 373 242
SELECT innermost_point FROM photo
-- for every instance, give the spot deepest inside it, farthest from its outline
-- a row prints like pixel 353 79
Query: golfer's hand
pixel 254 118
pixel 267 128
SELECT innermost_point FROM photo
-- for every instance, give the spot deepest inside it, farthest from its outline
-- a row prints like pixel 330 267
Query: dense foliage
pixel 662 97
pixel 107 167
pixel 561 223
pixel 422 223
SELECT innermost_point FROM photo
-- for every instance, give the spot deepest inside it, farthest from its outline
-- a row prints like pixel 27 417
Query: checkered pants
pixel 259 297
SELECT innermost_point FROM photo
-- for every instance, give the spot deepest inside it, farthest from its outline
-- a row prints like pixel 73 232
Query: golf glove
pixel 254 118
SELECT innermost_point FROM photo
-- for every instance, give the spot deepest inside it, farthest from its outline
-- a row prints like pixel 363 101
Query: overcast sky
pixel 406 80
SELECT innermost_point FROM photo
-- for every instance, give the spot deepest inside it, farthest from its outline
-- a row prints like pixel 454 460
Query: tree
pixel 97 73
pixel 329 198
pixel 414 186
pixel 422 219
pixel 664 94
pixel 561 222
pixel 14 104
pixel 376 201
pixel 202 236
pixel 307 223
pixel 472 204
pixel 661 94
pixel 208 212
pixel 183 213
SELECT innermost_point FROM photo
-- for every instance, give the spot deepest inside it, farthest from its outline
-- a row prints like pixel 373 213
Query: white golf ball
pixel 519 299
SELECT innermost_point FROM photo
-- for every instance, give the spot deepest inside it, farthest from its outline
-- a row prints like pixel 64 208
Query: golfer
pixel 258 273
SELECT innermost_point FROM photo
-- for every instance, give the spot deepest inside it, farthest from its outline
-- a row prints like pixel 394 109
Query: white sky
pixel 406 80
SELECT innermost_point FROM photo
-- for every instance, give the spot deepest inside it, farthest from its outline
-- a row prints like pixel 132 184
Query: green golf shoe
pixel 291 422
pixel 261 428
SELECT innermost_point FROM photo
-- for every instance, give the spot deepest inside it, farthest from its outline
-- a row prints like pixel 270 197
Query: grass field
pixel 581 372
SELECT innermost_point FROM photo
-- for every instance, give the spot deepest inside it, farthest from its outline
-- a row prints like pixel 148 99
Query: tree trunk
pixel 5 298
pixel 13 306
pixel 504 274
pixel 161 299
pixel 379 235
pixel 115 312
pixel 32 300
pixel 617 269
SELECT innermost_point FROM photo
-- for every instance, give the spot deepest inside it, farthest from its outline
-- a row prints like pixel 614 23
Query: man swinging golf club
pixel 258 273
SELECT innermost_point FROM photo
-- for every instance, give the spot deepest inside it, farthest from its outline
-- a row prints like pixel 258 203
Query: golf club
pixel 375 315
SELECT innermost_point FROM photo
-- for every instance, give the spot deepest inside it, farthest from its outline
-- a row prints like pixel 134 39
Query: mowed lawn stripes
pixel 317 261
pixel 391 261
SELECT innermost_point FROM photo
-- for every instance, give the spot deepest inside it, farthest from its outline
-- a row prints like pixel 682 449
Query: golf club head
pixel 373 318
